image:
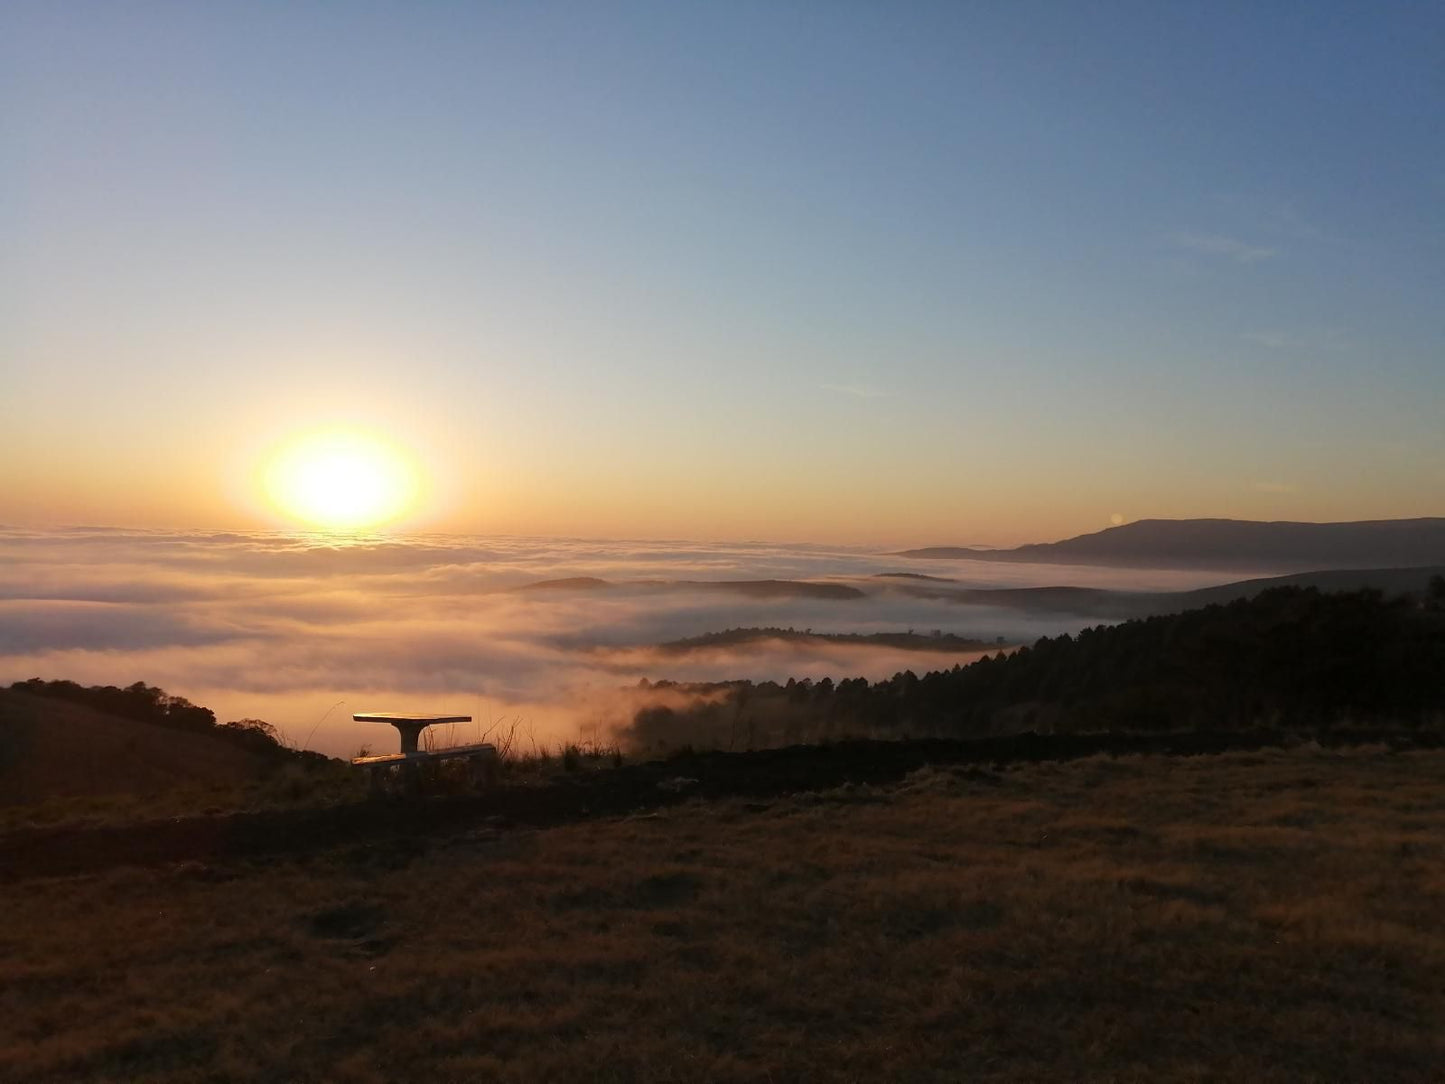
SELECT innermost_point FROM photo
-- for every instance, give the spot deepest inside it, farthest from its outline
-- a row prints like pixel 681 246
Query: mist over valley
pixel 304 630
pixel 553 635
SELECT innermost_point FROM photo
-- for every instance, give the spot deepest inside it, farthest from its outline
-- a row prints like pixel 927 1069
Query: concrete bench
pixel 482 759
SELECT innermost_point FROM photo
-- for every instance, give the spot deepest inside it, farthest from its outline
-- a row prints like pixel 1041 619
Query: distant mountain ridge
pixel 751 588
pixel 1231 543
pixel 1117 605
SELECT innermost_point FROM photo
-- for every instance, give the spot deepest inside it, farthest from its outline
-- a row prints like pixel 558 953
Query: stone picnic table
pixel 482 757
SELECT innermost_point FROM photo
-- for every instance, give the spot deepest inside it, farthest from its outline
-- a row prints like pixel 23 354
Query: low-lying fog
pixel 302 631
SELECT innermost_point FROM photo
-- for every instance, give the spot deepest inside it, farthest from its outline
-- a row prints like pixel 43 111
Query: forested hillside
pixel 1287 657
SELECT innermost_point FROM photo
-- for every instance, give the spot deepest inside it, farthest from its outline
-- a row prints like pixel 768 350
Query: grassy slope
pixel 1248 916
pixel 51 749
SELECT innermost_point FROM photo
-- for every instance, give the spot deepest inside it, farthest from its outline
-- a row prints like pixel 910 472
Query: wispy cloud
pixel 858 391
pixel 1284 219
pixel 1263 214
pixel 1229 248
pixel 1308 339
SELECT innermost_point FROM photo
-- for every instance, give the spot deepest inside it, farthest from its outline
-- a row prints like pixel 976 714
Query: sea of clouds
pixel 303 630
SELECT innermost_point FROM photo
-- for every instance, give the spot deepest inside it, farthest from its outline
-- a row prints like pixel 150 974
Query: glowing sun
pixel 341 480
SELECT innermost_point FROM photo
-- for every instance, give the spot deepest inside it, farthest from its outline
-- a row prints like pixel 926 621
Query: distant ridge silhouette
pixel 1120 604
pixel 751 588
pixel 1231 543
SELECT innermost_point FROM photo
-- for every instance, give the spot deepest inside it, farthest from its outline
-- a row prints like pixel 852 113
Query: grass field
pixel 1262 916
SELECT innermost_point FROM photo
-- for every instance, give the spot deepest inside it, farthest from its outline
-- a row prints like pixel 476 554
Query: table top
pixel 402 717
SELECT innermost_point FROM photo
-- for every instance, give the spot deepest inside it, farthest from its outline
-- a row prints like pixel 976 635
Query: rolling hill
pixel 1230 543
pixel 765 589
pixel 904 641
pixel 1286 657
pixel 1119 605
pixel 54 749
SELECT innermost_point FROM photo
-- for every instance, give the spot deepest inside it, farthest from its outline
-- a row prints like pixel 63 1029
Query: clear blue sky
pixel 889 272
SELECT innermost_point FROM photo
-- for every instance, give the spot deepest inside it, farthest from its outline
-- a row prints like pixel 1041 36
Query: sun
pixel 341 480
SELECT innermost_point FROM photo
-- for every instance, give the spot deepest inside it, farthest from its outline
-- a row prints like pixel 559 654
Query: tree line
pixel 1288 657
pixel 150 704
pixel 934 640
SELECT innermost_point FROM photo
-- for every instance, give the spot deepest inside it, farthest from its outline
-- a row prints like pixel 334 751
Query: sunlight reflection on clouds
pixel 282 627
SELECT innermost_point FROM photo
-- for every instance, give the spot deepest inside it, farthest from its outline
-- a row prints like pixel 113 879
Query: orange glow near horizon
pixel 341 480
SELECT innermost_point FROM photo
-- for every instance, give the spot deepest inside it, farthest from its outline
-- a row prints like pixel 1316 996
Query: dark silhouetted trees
pixel 1290 656
pixel 149 704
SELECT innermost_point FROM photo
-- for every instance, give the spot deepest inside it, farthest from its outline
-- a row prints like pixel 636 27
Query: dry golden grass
pixel 1271 916
pixel 55 751
pixel 64 764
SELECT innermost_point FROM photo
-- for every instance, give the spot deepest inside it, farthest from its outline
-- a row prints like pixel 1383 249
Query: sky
pixel 864 274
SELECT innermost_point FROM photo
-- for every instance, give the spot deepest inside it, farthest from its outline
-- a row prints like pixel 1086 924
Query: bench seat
pixel 484 749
